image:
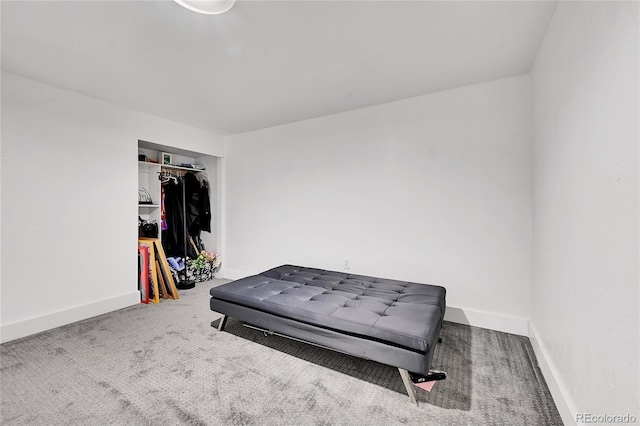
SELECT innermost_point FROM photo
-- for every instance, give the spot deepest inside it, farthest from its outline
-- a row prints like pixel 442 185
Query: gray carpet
pixel 164 364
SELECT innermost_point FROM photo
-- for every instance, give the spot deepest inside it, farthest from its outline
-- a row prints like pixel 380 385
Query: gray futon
pixel 392 322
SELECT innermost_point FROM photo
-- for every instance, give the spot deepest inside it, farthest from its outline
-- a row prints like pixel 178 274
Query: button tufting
pixel 350 299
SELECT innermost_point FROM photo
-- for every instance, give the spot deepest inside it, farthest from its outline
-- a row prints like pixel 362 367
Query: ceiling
pixel 265 63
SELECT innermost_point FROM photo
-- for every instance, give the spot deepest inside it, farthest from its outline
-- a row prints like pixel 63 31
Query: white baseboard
pixel 556 387
pixel 31 326
pixel 490 320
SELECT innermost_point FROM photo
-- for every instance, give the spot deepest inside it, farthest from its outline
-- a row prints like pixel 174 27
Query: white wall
pixel 585 208
pixel 69 200
pixel 431 189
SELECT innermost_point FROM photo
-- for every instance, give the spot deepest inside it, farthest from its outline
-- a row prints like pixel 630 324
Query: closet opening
pixel 178 242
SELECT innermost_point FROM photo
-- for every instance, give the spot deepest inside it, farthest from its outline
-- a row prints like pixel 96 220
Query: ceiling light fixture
pixel 208 7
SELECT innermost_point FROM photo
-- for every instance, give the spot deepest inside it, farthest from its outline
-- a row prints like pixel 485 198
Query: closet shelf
pixel 150 206
pixel 148 164
pixel 169 166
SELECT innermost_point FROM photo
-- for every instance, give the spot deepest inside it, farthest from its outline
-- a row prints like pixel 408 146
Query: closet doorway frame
pixel 215 171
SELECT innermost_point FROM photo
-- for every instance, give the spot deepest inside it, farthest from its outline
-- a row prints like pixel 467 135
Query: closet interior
pixel 176 220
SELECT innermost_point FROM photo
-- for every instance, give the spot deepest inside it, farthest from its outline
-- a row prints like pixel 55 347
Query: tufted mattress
pixel 394 322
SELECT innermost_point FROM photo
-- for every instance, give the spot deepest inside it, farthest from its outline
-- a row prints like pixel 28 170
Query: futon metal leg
pixel 411 390
pixel 221 324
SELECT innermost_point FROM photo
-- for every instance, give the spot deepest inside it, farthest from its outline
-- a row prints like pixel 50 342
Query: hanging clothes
pixel 205 207
pixel 174 238
pixel 192 200
pixel 186 212
pixel 199 205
